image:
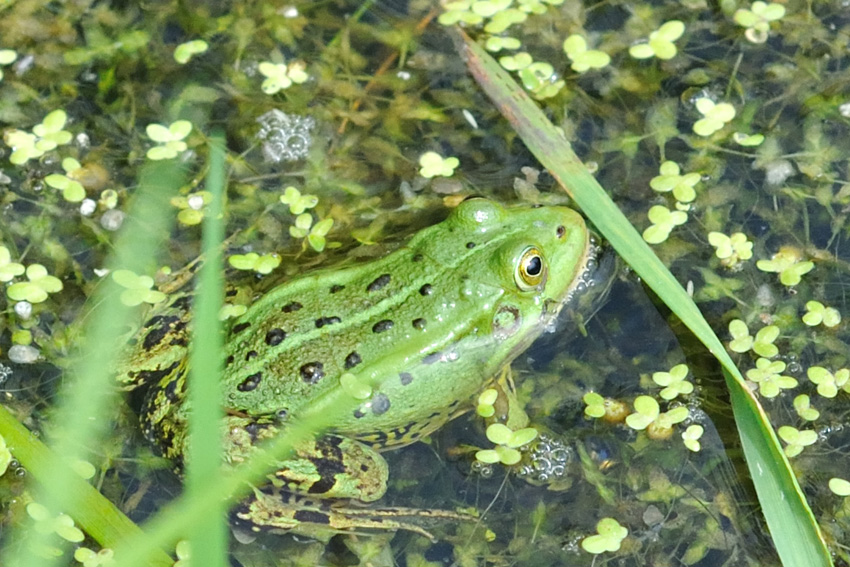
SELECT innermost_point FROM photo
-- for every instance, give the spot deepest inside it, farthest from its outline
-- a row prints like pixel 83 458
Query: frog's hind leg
pixel 330 466
pixel 276 511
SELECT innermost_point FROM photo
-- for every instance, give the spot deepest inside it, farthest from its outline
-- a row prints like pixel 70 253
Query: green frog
pixel 409 339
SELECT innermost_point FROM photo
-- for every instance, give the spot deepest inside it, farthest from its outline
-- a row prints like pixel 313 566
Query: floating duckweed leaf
pixel 584 59
pixel 715 116
pixel 757 19
pixel 763 343
pixel 817 313
pixel 184 52
pixel 504 19
pixel 516 62
pixel 670 179
pixel 646 410
pixel 839 486
pixel 674 382
pixel 741 341
pixel 170 137
pixel 748 140
pixel 663 222
pixel 230 311
pixel 9 269
pixel 660 43
pixel 691 437
pixel 138 288
pixel 280 76
pixel 485 403
pixel 83 468
pixel 60 524
pixel 72 191
pixel 487 456
pixel 50 131
pixel 767 374
pixel 459 13
pixel 7 56
pixel 354 387
pixel 731 249
pixel 316 238
pixel 90 558
pixel 788 263
pixel 297 202
pixel 508 455
pixel 522 437
pixel 495 43
pixel 828 383
pixel 5 456
pixel 433 164
pixel 804 409
pixel 252 261
pixel 796 439
pixel 595 405
pixel 499 433
pixel 610 534
pixel 36 289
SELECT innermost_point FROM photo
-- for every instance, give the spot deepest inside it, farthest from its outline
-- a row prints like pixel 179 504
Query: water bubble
pixel 285 137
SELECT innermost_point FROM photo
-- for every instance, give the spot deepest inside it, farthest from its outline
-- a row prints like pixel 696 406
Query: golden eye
pixel 531 269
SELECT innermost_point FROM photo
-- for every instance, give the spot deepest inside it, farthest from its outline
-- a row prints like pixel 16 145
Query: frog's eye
pixel 531 269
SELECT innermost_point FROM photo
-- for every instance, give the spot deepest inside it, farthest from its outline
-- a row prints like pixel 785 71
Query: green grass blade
pixel 795 532
pixel 208 536
pixel 99 517
pixel 79 419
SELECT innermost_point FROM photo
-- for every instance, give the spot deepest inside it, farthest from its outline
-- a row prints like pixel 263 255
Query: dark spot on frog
pixel 329 464
pixel 406 378
pixel 425 289
pixel 380 404
pixel 231 292
pixel 162 327
pixel 182 303
pixel 358 413
pixel 282 415
pixel 322 321
pixel 275 336
pixel 364 468
pixel 179 341
pixel 312 372
pixel 379 283
pixel 337 288
pixel 417 257
pixel 153 376
pixel 252 429
pixel 240 327
pixel 419 323
pixel 432 358
pixel 229 360
pixel 311 516
pixel 251 355
pixel 382 326
pixel 171 391
pixel 560 231
pixel 291 307
pixel 250 383
pixel 352 360
pixel 470 245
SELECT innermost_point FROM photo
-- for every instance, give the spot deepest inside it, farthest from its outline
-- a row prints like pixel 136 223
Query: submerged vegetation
pixel 720 129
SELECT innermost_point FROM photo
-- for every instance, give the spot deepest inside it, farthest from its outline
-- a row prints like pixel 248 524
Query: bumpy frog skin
pixel 427 327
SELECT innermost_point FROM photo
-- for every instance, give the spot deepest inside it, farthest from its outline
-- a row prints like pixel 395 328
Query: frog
pixel 409 340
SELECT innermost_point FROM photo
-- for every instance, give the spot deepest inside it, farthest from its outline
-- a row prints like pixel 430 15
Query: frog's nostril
pixel 561 231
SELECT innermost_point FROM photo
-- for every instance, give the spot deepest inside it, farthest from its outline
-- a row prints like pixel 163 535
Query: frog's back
pixel 424 327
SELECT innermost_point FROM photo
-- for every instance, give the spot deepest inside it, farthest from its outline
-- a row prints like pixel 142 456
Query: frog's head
pixel 537 256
